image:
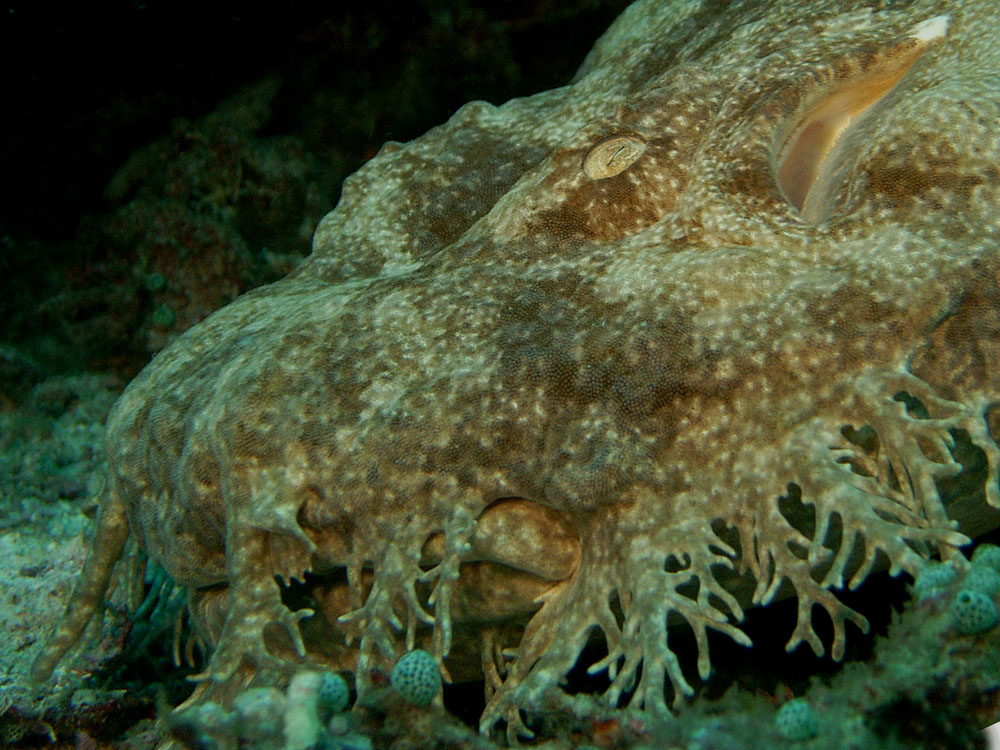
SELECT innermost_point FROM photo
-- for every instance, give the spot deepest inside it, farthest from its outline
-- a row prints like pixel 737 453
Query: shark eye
pixel 613 156
pixel 815 157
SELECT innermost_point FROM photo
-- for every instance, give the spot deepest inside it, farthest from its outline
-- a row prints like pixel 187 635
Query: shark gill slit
pixel 814 159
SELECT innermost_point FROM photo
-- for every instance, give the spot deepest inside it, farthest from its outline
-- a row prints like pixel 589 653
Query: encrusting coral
pixel 796 720
pixel 719 318
pixel 416 677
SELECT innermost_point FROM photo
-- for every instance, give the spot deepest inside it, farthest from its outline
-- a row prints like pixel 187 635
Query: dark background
pixel 88 84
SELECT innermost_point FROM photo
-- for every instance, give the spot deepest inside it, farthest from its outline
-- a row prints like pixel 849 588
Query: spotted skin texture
pixel 523 392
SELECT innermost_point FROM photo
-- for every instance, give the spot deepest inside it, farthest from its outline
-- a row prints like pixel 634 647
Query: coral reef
pixel 352 76
pixel 925 686
pixel 199 216
pixel 51 464
pixel 713 325
pixel 307 716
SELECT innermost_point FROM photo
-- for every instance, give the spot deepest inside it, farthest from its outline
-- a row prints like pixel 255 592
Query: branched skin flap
pixel 561 367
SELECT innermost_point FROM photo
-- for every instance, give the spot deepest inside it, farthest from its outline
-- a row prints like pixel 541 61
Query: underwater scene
pixel 457 375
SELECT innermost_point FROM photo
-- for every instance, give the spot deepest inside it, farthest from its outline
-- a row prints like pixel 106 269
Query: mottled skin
pixel 650 356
